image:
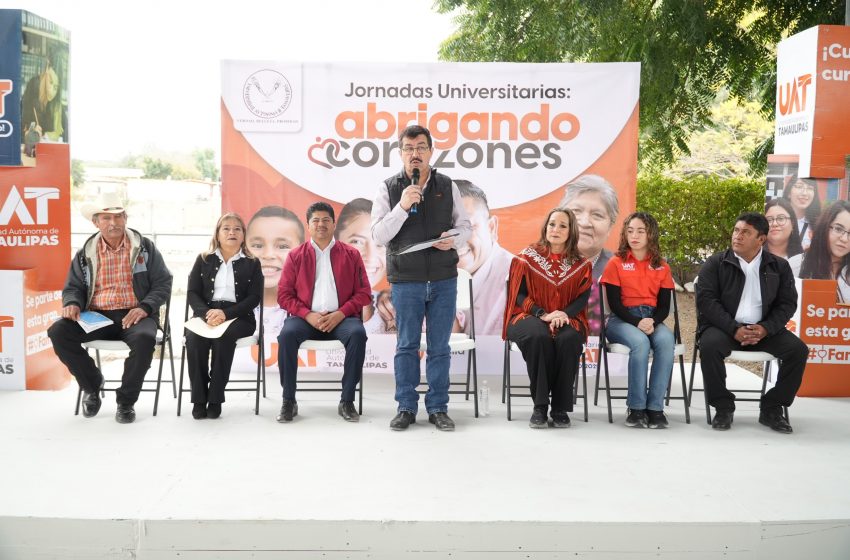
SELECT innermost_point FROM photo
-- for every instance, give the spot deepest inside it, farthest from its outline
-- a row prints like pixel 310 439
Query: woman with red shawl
pixel 548 289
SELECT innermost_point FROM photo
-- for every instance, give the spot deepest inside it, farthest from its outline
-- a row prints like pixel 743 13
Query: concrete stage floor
pixel 244 486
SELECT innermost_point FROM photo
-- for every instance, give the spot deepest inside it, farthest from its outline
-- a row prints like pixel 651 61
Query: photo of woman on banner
pixel 594 202
pixel 273 231
pixel 783 239
pixel 828 257
pixel 354 227
pixel 803 196
pixel 42 102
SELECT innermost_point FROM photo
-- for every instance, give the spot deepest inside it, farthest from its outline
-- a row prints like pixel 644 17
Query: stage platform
pixel 244 486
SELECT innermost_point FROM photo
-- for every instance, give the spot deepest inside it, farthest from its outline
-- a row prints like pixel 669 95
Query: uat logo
pixel 5 321
pixel 794 94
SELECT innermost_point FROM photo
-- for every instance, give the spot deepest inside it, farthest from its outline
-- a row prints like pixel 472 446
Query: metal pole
pixel 846 12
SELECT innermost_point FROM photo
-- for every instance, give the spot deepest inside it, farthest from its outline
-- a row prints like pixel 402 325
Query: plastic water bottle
pixel 484 399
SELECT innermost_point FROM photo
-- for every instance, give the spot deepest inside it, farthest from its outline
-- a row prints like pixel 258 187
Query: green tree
pixel 689 49
pixel 155 168
pixel 206 165
pixel 696 215
pixel 724 149
pixel 78 173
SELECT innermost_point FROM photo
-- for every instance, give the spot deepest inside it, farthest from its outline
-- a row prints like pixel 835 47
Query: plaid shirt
pixel 113 286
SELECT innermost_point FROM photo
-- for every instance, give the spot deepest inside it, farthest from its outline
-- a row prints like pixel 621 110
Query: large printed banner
pixel 515 138
pixel 803 214
pixel 33 85
pixel 35 254
pixel 35 216
pixel 812 109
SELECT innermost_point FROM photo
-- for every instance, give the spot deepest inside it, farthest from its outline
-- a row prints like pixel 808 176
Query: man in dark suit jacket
pixel 323 288
pixel 745 296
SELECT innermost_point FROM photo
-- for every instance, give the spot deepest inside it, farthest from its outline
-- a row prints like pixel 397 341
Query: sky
pixel 147 74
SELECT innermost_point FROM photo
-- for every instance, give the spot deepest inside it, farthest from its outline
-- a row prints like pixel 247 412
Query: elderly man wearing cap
pixel 121 275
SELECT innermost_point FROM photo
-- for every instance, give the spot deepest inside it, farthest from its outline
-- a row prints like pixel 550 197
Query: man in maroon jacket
pixel 323 288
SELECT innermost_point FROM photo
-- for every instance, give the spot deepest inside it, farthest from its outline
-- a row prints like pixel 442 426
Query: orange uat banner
pixel 35 216
pixel 44 371
pixel 812 89
pixel 825 328
pixel 35 237
pixel 830 140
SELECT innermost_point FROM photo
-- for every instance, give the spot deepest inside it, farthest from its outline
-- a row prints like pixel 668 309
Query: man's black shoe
pixel 213 410
pixel 722 419
pixel 560 419
pixel 775 420
pixel 656 419
pixel 126 414
pixel 288 411
pixel 442 421
pixel 636 418
pixel 538 418
pixel 199 410
pixel 348 412
pixel 402 420
pixel 92 401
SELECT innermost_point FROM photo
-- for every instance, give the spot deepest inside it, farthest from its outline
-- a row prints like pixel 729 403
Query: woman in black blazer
pixel 225 283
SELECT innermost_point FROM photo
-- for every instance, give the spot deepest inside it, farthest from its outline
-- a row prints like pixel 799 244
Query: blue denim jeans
pixel 661 342
pixel 435 303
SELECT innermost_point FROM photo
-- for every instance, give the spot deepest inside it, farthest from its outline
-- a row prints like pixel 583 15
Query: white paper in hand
pixel 201 328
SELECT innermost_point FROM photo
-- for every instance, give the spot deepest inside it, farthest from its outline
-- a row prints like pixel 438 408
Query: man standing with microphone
pixel 419 204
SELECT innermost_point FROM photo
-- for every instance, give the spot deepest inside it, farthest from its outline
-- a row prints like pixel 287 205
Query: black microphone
pixel 414 181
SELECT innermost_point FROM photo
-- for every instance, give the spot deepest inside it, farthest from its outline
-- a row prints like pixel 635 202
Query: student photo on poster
pixel 353 226
pixel 828 257
pixel 273 232
pixel 803 196
pixel 783 238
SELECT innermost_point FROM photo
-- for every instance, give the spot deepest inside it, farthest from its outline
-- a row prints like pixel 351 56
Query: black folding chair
pixel 738 356
pixel 235 385
pixel 163 340
pixel 320 384
pixel 509 389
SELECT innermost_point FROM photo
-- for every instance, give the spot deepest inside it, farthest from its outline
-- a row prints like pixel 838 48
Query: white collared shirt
pixel 224 286
pixel 324 290
pixel 805 236
pixel 749 309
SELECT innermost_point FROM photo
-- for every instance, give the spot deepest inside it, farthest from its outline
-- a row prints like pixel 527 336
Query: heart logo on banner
pixel 323 147
pixel 822 354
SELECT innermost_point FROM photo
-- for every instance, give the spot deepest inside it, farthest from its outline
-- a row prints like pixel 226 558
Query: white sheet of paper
pixel 424 244
pixel 201 328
